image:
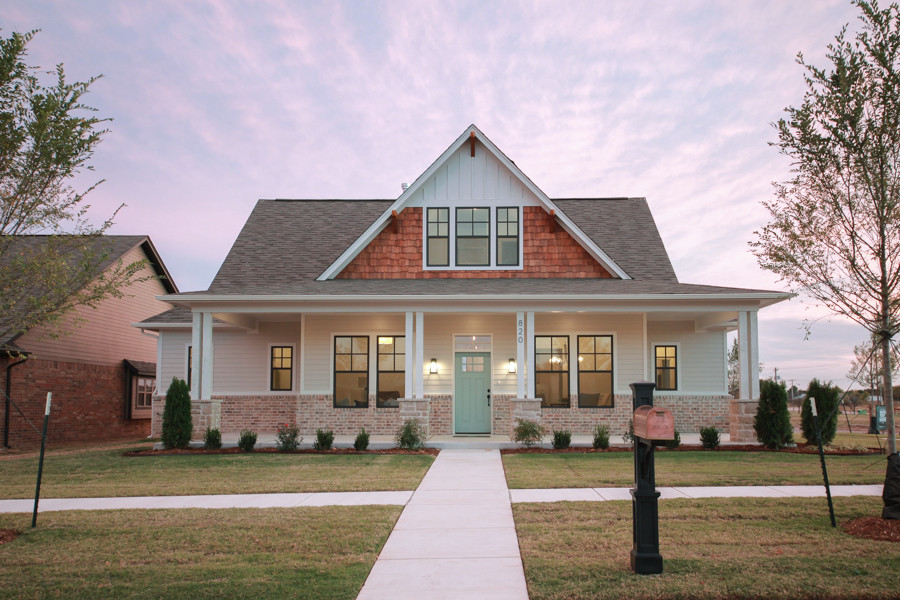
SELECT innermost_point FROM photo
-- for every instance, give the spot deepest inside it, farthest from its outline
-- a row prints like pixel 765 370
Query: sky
pixel 215 104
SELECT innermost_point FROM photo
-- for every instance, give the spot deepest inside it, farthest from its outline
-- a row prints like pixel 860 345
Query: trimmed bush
pixel 628 436
pixel 247 440
pixel 562 439
pixel 212 439
pixel 601 437
pixel 361 443
pixel 709 437
pixel 324 440
pixel 528 433
pixel 287 438
pixel 675 443
pixel 773 421
pixel 827 398
pixel 177 424
pixel 411 435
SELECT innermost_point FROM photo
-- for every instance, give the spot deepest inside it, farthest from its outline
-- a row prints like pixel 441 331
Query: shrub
pixel 628 436
pixel 709 437
pixel 528 433
pixel 773 421
pixel 324 440
pixel 287 438
pixel 827 398
pixel 562 439
pixel 411 435
pixel 247 440
pixel 601 437
pixel 212 439
pixel 362 440
pixel 177 424
pixel 675 443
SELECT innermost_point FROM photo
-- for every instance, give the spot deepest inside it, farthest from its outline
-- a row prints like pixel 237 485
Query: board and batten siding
pixel 104 335
pixel 701 358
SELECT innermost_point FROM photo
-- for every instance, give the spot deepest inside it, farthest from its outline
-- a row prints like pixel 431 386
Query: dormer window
pixel 438 249
pixel 473 237
pixel 484 237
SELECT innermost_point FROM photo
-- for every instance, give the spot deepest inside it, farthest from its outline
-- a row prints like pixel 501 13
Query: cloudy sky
pixel 216 104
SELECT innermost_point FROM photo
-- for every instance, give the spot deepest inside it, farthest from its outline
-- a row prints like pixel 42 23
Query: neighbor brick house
pixel 471 300
pixel 101 370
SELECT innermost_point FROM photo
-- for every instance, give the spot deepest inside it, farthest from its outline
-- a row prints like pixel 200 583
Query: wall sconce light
pixel 511 368
pixel 433 367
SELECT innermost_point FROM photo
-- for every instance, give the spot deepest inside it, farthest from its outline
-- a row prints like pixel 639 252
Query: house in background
pixel 471 300
pixel 101 371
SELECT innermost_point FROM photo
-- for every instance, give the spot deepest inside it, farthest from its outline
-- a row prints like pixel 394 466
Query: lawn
pixel 614 469
pixel 105 472
pixel 717 548
pixel 324 552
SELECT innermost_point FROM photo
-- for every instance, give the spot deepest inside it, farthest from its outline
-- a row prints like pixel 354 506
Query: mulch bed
pixel 235 450
pixel 8 535
pixel 800 449
pixel 874 528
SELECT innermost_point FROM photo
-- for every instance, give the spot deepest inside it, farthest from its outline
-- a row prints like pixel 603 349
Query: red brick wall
pixel 88 403
pixel 549 251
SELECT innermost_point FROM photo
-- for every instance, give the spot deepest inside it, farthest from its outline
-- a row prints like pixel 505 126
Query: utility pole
pixel 776 374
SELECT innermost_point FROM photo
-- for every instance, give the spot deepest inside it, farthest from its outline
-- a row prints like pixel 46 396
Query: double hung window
pixel 595 371
pixel 351 371
pixel 473 236
pixel 438 249
pixel 391 370
pixel 551 370
pixel 508 237
pixel 282 368
pixel 666 367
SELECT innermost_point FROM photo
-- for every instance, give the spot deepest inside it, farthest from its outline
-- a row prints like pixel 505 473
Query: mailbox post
pixel 651 426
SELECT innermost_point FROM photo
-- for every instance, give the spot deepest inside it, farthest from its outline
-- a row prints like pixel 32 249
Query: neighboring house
pixel 101 370
pixel 471 300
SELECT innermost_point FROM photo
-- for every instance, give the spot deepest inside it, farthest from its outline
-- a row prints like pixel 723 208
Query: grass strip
pixel 309 552
pixel 716 548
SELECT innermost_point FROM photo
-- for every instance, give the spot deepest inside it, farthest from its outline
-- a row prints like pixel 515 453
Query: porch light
pixel 433 367
pixel 511 368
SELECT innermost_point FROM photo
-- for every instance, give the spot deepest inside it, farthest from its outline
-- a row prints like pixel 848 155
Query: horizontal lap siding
pixel 242 359
pixel 174 356
pixel 701 357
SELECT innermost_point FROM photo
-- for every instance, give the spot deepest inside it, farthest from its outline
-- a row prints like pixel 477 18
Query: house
pixel 471 300
pixel 101 370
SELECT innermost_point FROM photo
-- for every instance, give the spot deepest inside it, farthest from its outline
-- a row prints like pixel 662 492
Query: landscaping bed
pixel 236 450
pixel 799 449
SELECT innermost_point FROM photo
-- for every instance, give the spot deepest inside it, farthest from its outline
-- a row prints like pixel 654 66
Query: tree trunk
pixel 888 394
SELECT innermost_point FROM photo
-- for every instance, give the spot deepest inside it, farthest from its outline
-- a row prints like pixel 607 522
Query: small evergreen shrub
pixel 562 439
pixel 411 435
pixel 212 439
pixel 324 440
pixel 827 398
pixel 361 443
pixel 675 443
pixel 177 424
pixel 773 421
pixel 709 437
pixel 601 437
pixel 628 436
pixel 247 440
pixel 287 438
pixel 528 433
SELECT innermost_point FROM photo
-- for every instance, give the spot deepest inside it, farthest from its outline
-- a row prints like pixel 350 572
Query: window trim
pixel 141 412
pixel 676 368
pixel 190 365
pixel 457 236
pixel 428 237
pixel 568 370
pixel 498 237
pixel 334 370
pixel 272 368
pixel 611 370
pixel 378 370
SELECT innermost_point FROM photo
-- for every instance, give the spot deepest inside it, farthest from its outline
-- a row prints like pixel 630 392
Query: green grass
pixel 563 470
pixel 305 552
pixel 717 548
pixel 102 473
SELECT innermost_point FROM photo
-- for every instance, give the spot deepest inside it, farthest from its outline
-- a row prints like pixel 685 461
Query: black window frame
pixel 429 237
pixel 473 222
pixel 334 374
pixel 611 370
pixel 190 365
pixel 273 368
pixel 673 368
pixel 567 372
pixel 507 222
pixel 379 403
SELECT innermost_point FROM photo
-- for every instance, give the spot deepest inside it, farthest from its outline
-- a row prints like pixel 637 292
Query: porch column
pixel 529 345
pixel 418 391
pixel 206 379
pixel 409 358
pixel 196 330
pixel 748 354
pixel 520 354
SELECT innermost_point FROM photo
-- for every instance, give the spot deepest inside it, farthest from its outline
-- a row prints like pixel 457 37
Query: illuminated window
pixel 351 371
pixel 595 371
pixel 391 370
pixel 282 368
pixel 666 368
pixel 551 370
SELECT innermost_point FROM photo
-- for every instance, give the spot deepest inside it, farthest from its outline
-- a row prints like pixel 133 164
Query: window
pixel 143 392
pixel 508 237
pixel 551 370
pixel 438 237
pixel 666 368
pixel 190 364
pixel 473 236
pixel 282 367
pixel 351 371
pixel 391 370
pixel 595 366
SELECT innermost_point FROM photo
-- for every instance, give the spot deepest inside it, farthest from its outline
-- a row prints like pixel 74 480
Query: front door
pixel 472 398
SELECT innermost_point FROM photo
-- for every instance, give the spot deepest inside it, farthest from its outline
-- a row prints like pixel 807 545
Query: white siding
pixel 701 358
pixel 174 344
pixel 241 359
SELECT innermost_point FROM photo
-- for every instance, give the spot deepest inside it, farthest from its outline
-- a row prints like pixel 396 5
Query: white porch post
pixel 529 344
pixel 410 356
pixel 196 374
pixel 754 354
pixel 206 385
pixel 748 354
pixel 520 354
pixel 418 391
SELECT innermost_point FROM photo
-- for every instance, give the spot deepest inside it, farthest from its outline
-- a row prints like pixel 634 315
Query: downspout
pixel 8 401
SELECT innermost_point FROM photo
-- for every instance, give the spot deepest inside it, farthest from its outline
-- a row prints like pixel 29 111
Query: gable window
pixel 282 366
pixel 551 370
pixel 351 371
pixel 473 237
pixel 666 367
pixel 595 371
pixel 438 251
pixel 391 370
pixel 508 237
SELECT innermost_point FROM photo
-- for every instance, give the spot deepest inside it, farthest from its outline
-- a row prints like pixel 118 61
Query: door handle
pixel 489 396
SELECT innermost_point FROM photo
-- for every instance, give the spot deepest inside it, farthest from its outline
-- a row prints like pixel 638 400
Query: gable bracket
pixel 394 222
pixel 472 144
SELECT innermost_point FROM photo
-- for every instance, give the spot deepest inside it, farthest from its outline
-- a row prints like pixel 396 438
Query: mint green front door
pixel 473 392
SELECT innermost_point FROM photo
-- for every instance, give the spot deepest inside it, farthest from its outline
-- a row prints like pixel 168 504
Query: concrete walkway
pixel 455 538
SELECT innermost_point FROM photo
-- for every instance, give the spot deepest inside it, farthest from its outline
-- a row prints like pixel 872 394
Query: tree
pixel 734 370
pixel 866 366
pixel 177 425
pixel 828 398
pixel 47 137
pixel 773 421
pixel 834 232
